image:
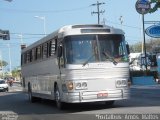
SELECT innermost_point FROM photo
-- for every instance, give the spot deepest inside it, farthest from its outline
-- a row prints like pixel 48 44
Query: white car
pixel 3 86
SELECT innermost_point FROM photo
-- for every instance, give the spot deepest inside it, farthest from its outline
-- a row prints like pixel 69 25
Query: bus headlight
pixel 84 84
pixel 80 85
pixel 121 83
pixel 70 85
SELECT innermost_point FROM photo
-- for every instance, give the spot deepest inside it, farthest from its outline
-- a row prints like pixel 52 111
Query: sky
pixel 19 18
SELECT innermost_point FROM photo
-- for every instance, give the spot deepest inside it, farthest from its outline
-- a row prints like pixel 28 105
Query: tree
pixel 3 63
pixel 152 45
pixel 137 47
pixel 156 5
pixel 16 73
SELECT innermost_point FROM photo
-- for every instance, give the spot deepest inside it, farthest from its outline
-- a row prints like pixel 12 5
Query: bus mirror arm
pixel 128 50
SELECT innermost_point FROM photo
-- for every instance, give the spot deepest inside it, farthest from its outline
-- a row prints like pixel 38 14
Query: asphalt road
pixel 14 105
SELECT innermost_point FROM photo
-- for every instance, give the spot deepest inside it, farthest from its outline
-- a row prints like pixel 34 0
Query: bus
pixel 77 64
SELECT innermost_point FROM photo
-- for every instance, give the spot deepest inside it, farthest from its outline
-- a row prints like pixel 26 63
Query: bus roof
pixel 76 30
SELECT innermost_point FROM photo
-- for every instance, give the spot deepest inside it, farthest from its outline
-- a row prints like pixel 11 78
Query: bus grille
pixel 98 73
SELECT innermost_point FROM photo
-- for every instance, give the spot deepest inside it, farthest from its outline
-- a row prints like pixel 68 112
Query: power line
pixel 43 11
pixel 26 38
pixel 28 34
pixel 134 27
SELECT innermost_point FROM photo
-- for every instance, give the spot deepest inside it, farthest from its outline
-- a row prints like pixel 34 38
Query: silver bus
pixel 77 64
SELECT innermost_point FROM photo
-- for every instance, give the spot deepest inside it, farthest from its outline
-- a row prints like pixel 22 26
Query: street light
pixel 44 22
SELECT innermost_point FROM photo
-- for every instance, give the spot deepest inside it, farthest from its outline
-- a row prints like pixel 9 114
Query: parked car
pixel 3 85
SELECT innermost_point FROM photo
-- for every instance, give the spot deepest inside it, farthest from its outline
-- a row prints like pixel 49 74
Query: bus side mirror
pixel 128 50
pixel 59 51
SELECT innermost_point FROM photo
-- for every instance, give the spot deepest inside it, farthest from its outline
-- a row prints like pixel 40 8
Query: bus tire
pixel 59 104
pixel 30 96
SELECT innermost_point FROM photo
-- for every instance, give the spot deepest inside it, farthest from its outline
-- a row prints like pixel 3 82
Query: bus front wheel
pixel 31 98
pixel 59 104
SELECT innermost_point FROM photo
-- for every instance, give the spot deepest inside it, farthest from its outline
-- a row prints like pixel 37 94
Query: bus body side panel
pixel 42 76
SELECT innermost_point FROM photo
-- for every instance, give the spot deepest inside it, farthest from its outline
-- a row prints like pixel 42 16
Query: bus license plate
pixel 102 95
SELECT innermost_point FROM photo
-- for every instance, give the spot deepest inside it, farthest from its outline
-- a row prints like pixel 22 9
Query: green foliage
pixel 154 1
pixel 136 47
pixel 16 73
pixel 3 63
pixel 155 6
pixel 151 45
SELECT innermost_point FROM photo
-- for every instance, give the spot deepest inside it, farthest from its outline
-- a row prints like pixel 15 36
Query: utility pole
pixel 144 43
pixel 98 11
pixel 121 21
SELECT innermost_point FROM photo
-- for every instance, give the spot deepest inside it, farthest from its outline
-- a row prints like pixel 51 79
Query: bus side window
pixel 51 48
pixel 23 82
pixel 25 58
pixel 45 45
pixel 22 59
pixel 38 53
pixel 33 54
pixel 28 57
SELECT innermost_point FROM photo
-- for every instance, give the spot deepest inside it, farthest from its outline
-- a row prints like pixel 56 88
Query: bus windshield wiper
pixel 87 60
pixel 110 58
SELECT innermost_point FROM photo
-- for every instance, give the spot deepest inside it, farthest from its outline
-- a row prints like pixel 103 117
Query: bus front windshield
pixel 81 49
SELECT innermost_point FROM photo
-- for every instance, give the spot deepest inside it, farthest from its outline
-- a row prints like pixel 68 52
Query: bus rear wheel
pixel 31 98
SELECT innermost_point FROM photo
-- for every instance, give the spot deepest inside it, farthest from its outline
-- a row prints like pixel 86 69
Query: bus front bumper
pixel 96 96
